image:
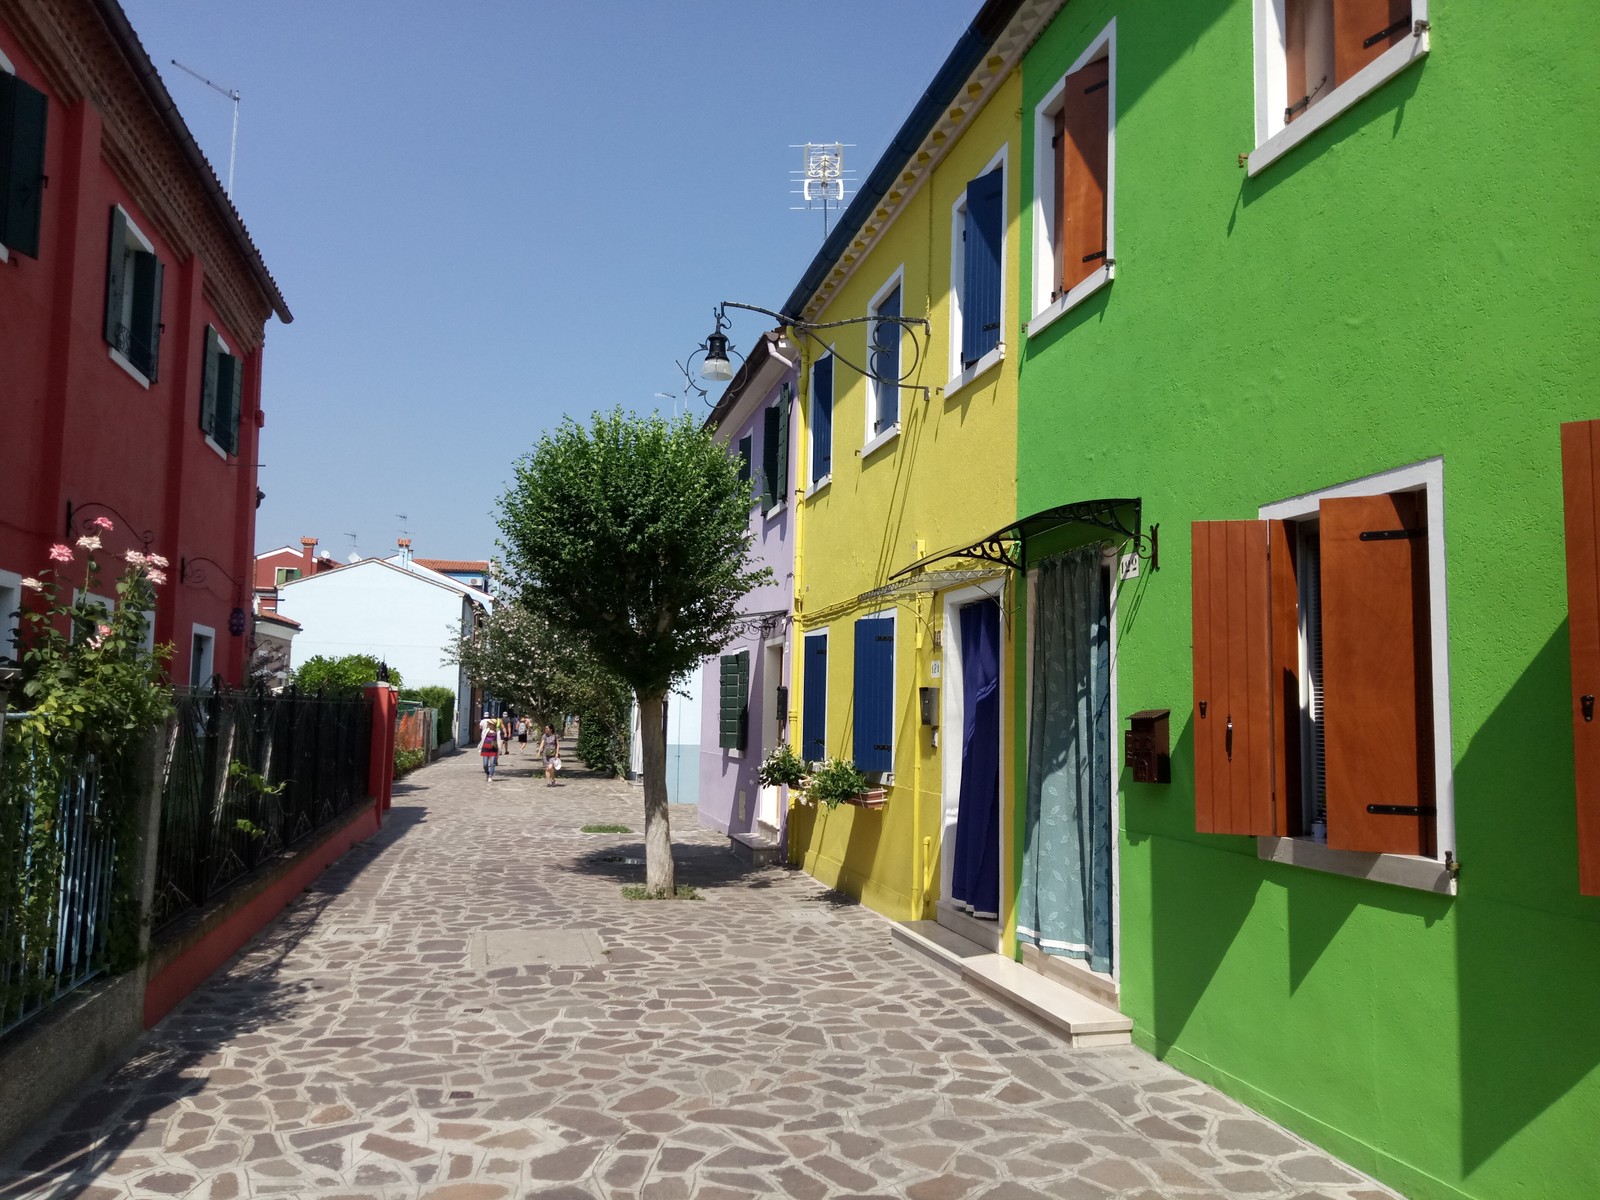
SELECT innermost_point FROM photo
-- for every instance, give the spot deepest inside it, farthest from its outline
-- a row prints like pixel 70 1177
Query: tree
pixel 632 536
pixel 346 675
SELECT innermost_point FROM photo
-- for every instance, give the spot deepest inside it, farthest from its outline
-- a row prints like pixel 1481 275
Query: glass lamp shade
pixel 716 367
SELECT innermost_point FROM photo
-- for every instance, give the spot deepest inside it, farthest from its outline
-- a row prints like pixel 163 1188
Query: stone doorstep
pixel 762 848
pixel 1079 1020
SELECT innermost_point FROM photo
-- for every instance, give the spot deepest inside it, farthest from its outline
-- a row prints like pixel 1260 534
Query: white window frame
pixel 870 441
pixel 883 779
pixel 959 376
pixel 10 611
pixel 278 575
pixel 9 69
pixel 210 657
pixel 1045 310
pixel 805 641
pixel 222 345
pixel 1404 870
pixel 1274 136
pixel 814 486
pixel 134 234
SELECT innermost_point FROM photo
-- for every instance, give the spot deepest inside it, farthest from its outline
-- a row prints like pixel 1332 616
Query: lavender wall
pixel 726 774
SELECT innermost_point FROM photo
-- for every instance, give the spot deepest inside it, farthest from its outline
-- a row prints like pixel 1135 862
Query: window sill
pixel 5 255
pixel 1365 81
pixel 139 376
pixel 966 376
pixel 221 453
pixel 1400 870
pixel 777 508
pixel 1064 304
pixel 817 488
pixel 880 441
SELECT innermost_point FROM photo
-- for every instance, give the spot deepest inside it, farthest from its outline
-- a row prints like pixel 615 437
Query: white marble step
pixel 1080 1020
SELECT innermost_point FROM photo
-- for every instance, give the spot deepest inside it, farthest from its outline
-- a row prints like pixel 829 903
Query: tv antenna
pixel 349 534
pixel 822 177
pixel 402 518
pixel 231 94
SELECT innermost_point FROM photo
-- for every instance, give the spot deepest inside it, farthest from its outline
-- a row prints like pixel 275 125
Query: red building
pixel 133 306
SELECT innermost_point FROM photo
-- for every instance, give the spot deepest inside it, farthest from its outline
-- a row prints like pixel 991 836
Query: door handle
pixel 1228 737
pixel 1588 707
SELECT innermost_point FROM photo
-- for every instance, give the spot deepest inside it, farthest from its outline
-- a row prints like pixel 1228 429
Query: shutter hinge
pixel 1384 35
pixel 1391 535
pixel 1399 810
pixel 1417 30
pixel 1095 255
pixel 1095 87
pixel 1055 140
pixel 1300 104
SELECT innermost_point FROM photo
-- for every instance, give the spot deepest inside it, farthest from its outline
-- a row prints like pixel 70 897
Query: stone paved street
pixel 391 1038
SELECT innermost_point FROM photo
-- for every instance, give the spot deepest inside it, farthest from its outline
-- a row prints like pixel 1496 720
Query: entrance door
pixel 767 806
pixel 1065 903
pixel 975 871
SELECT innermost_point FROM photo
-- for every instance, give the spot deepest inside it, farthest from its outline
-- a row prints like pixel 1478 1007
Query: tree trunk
pixel 658 869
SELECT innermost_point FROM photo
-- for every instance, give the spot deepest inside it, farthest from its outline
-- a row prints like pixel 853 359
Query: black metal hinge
pixel 1384 35
pixel 1399 810
pixel 1391 535
pixel 1095 87
pixel 1095 255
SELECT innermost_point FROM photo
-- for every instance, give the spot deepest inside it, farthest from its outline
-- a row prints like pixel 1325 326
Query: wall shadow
pixel 1528 945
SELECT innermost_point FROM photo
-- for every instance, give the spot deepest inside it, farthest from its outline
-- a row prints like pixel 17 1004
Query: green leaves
pixel 346 675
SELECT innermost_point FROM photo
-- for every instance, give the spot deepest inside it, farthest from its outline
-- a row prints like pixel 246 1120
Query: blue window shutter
pixel 886 363
pixel 814 717
pixel 822 419
pixel 980 300
pixel 874 694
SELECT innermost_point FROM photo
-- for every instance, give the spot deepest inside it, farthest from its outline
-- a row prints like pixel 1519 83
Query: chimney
pixel 308 549
pixel 405 552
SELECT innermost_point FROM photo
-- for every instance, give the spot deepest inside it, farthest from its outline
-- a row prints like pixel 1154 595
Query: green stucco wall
pixel 1416 280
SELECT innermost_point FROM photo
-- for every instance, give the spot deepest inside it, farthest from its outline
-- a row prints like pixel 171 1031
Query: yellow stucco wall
pixel 949 477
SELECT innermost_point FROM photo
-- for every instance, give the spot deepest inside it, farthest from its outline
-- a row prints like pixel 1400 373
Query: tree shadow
pixel 703 867
pixel 69 1150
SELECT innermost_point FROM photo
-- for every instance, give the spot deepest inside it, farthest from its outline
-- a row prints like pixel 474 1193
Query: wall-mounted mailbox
pixel 1146 748
pixel 782 705
pixel 930 705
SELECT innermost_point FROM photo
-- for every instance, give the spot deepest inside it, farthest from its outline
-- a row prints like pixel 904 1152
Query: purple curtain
pixel 975 883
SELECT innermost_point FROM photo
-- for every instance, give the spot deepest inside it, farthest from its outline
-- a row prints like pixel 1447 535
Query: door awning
pixel 1008 545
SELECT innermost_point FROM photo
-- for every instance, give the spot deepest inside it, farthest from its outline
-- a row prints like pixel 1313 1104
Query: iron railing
pixel 249 776
pixel 56 876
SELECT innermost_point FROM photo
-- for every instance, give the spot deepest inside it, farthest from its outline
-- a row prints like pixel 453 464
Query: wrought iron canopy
pixel 1008 546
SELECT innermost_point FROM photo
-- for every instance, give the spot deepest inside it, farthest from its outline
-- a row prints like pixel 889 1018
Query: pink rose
pixel 157 561
pixel 134 557
pixel 33 585
pixel 89 543
pixel 60 553
pixel 103 523
pixel 157 577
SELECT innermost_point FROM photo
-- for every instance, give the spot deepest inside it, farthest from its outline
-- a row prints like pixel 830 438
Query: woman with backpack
pixel 489 750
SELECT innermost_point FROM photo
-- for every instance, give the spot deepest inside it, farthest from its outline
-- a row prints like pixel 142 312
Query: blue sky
pixel 486 216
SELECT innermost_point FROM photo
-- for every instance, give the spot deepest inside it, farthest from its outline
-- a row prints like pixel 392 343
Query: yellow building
pixel 906 669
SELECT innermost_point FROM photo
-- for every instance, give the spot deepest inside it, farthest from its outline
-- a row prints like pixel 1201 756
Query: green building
pixel 1313 282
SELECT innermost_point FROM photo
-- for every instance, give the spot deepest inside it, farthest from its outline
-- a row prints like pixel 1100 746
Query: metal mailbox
pixel 1146 748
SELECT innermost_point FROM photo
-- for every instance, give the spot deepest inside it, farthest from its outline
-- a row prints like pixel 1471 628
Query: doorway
pixel 971 834
pixel 773 726
pixel 1066 908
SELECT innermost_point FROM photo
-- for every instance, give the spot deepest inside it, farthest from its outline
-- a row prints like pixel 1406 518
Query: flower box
pixel 871 798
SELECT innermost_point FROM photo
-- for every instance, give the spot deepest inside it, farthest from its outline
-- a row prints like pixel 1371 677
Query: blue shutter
pixel 980 300
pixel 874 697
pixel 886 364
pixel 814 716
pixel 822 419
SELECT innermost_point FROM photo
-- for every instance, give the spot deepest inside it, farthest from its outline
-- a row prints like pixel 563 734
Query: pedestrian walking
pixel 522 731
pixel 489 752
pixel 550 747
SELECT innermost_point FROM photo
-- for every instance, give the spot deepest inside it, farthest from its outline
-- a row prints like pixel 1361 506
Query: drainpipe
pixel 800 425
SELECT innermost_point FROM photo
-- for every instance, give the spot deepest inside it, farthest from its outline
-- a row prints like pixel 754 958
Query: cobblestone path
pixel 382 1041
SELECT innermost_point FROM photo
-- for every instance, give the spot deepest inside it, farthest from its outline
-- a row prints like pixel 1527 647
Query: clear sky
pixel 488 215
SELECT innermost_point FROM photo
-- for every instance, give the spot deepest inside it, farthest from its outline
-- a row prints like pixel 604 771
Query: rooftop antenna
pixel 231 94
pixel 821 177
pixel 352 538
pixel 402 518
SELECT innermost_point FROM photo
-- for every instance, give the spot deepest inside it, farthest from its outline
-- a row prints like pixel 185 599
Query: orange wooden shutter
pixel 1580 450
pixel 1364 29
pixel 1284 590
pixel 1294 56
pixel 1377 674
pixel 1059 141
pixel 1233 734
pixel 1081 171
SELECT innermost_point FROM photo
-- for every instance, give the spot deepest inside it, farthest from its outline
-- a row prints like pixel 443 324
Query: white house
pixel 393 609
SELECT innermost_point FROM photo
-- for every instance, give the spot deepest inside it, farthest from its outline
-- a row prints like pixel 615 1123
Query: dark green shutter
pixel 208 385
pixel 238 395
pixel 116 280
pixel 770 483
pixel 744 459
pixel 230 382
pixel 733 712
pixel 146 323
pixel 23 111
pixel 785 398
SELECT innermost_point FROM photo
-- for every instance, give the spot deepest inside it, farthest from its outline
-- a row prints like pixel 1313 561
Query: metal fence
pixel 248 776
pixel 56 875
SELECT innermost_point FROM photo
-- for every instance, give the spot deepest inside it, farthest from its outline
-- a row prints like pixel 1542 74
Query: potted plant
pixel 782 768
pixel 837 782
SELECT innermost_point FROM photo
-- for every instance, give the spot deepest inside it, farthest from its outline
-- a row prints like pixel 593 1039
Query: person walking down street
pixel 550 748
pixel 522 731
pixel 489 751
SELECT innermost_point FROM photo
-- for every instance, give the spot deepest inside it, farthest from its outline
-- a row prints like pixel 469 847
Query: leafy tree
pixel 632 536
pixel 345 675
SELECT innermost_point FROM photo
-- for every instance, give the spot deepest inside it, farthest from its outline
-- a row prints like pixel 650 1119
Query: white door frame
pixel 768 799
pixel 952 719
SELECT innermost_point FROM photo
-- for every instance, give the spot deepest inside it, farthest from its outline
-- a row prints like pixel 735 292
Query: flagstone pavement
pixel 382 1042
